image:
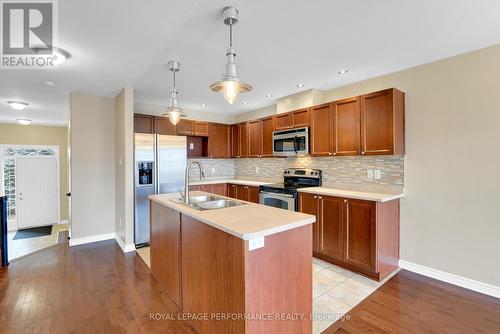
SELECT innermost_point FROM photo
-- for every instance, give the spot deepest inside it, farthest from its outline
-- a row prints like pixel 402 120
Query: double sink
pixel 208 202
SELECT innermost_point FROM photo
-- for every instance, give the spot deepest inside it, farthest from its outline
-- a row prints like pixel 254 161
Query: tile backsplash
pixel 345 170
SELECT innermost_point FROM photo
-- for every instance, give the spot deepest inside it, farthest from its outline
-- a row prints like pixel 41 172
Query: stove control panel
pixel 302 172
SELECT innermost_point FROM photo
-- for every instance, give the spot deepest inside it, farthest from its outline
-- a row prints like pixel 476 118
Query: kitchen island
pixel 240 269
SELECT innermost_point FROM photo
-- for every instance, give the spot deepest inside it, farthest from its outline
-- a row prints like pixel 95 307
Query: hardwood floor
pixel 95 288
pixel 411 303
pixel 92 288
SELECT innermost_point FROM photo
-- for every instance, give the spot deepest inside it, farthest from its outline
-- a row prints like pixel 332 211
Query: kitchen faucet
pixel 186 179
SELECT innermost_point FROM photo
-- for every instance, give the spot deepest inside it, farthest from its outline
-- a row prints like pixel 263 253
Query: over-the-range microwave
pixel 291 142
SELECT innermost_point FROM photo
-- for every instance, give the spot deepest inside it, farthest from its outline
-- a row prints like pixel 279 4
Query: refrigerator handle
pixel 156 165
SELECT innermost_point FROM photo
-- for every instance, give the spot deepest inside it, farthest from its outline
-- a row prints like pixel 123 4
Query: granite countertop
pixel 246 222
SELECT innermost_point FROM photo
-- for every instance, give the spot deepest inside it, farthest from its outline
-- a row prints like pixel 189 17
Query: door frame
pixel 58 167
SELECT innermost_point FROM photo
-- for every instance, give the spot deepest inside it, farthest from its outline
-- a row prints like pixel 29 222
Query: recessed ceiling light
pixel 300 85
pixel 203 105
pixel 50 83
pixel 343 71
pixel 24 121
pixel 269 95
pixel 17 105
pixel 244 103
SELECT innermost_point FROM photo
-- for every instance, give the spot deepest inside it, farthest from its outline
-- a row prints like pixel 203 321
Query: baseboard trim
pixel 125 248
pixel 463 282
pixel 92 238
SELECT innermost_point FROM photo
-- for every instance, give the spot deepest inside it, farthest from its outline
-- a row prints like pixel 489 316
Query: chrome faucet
pixel 186 179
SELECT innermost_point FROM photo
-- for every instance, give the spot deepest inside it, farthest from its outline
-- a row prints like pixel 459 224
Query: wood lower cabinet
pixel 382 122
pixel 362 236
pixel 253 194
pixel 231 190
pixel 217 189
pixel 243 192
pixel 165 249
pixel 346 127
pixel 219 140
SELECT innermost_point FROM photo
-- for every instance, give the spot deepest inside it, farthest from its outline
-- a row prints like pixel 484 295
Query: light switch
pixel 255 243
pixel 213 170
pixel 191 146
pixel 257 169
pixel 369 173
pixel 377 174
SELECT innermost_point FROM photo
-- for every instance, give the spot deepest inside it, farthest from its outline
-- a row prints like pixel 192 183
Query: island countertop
pixel 246 222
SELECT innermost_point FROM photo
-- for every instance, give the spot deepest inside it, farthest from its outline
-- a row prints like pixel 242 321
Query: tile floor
pixel 335 290
pixel 22 247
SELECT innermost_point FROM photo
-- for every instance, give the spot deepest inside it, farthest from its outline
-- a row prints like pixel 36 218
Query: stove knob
pixel 312 173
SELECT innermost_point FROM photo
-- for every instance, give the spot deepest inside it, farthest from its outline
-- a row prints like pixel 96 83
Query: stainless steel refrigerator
pixel 160 162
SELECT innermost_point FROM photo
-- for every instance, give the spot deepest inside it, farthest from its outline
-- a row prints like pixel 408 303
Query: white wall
pixel 124 165
pixel 92 138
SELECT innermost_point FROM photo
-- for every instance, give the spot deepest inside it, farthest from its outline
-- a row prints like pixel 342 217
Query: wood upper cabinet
pixel 301 118
pixel 244 144
pixel 253 194
pixel 382 123
pixel 321 130
pixel 201 128
pixel 268 126
pixel 331 218
pixel 255 139
pixel 218 140
pixel 163 126
pixel 143 123
pixel 283 121
pixel 185 127
pixel 360 234
pixel 235 141
pixel 308 203
pixel 346 127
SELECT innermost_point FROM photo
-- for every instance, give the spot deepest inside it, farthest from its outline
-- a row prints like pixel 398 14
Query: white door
pixel 36 192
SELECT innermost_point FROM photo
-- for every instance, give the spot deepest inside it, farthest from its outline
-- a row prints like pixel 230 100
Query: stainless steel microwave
pixel 291 142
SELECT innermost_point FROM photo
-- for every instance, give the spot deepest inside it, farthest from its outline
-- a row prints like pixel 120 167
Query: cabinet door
pixel 321 130
pixel 331 217
pixel 301 118
pixel 360 234
pixel 253 194
pixel 165 248
pixel 244 140
pixel 235 141
pixel 283 121
pixel 346 127
pixel 377 123
pixel 200 128
pixel 268 126
pixel 218 141
pixel 163 126
pixel 255 139
pixel 231 190
pixel 218 189
pixel 308 203
pixel 185 127
pixel 143 123
pixel 242 192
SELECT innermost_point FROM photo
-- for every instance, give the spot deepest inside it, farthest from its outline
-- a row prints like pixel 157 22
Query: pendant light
pixel 230 84
pixel 174 112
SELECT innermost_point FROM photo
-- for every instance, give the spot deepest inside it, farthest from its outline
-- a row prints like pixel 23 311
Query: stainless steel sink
pixel 218 204
pixel 208 202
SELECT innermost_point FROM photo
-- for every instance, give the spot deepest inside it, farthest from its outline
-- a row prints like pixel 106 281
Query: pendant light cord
pixel 231 35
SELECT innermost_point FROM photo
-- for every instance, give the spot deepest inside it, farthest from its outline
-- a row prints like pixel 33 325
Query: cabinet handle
pixel 362 152
pixel 315 196
pixel 329 153
pixel 345 201
pixel 320 197
pixel 334 153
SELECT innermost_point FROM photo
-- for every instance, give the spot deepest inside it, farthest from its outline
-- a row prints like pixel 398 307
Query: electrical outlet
pixel 213 170
pixel 191 146
pixel 369 174
pixel 257 169
pixel 377 174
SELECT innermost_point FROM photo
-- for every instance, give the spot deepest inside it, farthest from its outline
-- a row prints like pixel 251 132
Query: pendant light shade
pixel 230 85
pixel 174 112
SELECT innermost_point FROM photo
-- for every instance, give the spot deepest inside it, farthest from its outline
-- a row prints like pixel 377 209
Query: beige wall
pixel 42 135
pixel 92 124
pixel 124 165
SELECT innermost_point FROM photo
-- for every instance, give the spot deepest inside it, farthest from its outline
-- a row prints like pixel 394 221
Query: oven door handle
pixel 277 194
pixel 295 142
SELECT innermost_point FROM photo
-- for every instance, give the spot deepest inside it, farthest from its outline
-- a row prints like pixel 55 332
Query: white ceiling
pixel 280 43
